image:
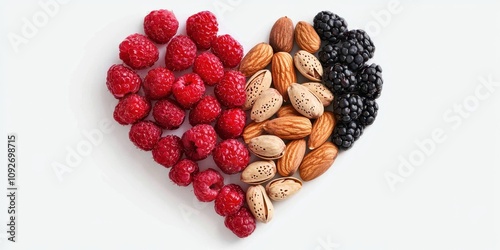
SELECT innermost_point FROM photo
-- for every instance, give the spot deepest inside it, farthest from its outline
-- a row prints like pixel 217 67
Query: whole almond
pixel 259 82
pixel 321 130
pixel 304 101
pixel 256 59
pixel 267 147
pixel 283 72
pixel 287 110
pixel 258 172
pixel 252 130
pixel 266 105
pixel 281 37
pixel 259 203
pixel 306 37
pixel 308 65
pixel 282 188
pixel 289 127
pixel 320 91
pixel 292 157
pixel 318 161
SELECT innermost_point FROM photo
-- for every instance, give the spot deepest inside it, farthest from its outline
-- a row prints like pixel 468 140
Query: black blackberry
pixel 339 79
pixel 362 38
pixel 352 54
pixel 329 26
pixel 370 81
pixel 369 113
pixel 345 134
pixel 347 107
pixel 328 55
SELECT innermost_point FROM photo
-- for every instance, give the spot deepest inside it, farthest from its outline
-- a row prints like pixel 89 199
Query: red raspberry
pixel 122 80
pixel 188 90
pixel 202 27
pixel 229 200
pixel 242 223
pixel 207 185
pixel 145 134
pixel 199 141
pixel 231 123
pixel 231 156
pixel 209 67
pixel 182 173
pixel 158 83
pixel 205 112
pixel 231 89
pixel 228 50
pixel 181 52
pixel 138 52
pixel 160 25
pixel 131 108
pixel 168 151
pixel 168 114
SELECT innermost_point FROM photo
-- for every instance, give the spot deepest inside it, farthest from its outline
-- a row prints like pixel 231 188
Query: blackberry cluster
pixel 362 38
pixel 348 107
pixel 345 134
pixel 329 26
pixel 370 81
pixel 339 79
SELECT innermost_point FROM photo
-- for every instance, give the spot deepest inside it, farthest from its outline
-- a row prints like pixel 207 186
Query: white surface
pixel 53 90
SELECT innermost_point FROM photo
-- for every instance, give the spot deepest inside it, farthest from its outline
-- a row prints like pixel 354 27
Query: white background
pixel 53 91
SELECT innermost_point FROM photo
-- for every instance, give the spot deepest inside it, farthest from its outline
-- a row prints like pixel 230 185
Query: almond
pixel 305 102
pixel 318 161
pixel 259 82
pixel 258 172
pixel 256 59
pixel 308 65
pixel 259 203
pixel 266 105
pixel 252 130
pixel 292 157
pixel 306 37
pixel 281 37
pixel 289 127
pixel 283 72
pixel 287 110
pixel 282 188
pixel 320 91
pixel 321 130
pixel 267 147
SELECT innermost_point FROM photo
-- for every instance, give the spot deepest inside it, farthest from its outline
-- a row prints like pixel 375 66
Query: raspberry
pixel 231 89
pixel 231 156
pixel 202 27
pixel 230 199
pixel 168 114
pixel 207 185
pixel 199 141
pixel 131 108
pixel 228 50
pixel 181 52
pixel 160 25
pixel 182 173
pixel 145 135
pixel 168 151
pixel 242 223
pixel 205 112
pixel 138 52
pixel 231 123
pixel 158 83
pixel 122 80
pixel 188 90
pixel 209 67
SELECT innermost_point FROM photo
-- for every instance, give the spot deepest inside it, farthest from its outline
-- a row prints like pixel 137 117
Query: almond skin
pixel 283 72
pixel 289 127
pixel 252 130
pixel 281 37
pixel 318 161
pixel 306 37
pixel 256 59
pixel 287 110
pixel 292 157
pixel 321 130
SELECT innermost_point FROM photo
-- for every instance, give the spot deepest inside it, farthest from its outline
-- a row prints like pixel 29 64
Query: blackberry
pixel 328 55
pixel 339 79
pixel 370 81
pixel 329 26
pixel 345 134
pixel 352 54
pixel 348 107
pixel 362 38
pixel 369 113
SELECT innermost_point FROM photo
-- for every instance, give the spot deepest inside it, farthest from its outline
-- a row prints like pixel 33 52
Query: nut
pixel 304 101
pixel 318 161
pixel 292 157
pixel 252 130
pixel 289 127
pixel 287 110
pixel 283 72
pixel 258 172
pixel 308 65
pixel 281 37
pixel 267 147
pixel 306 37
pixel 321 130
pixel 268 103
pixel 282 188
pixel 259 203
pixel 256 59
pixel 259 82
pixel 320 91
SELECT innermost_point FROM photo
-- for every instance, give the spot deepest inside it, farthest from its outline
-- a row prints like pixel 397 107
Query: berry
pixel 231 89
pixel 168 151
pixel 183 172
pixel 339 79
pixel 347 107
pixel 231 123
pixel 352 54
pixel 328 55
pixel 242 223
pixel 199 141
pixel 160 25
pixel 131 108
pixel 370 81
pixel 209 67
pixel 122 80
pixel 188 90
pixel 345 134
pixel 168 114
pixel 207 185
pixel 202 27
pixel 158 83
pixel 228 50
pixel 363 39
pixel 205 111
pixel 138 52
pixel 231 156
pixel 145 135
pixel 180 54
pixel 329 26
pixel 369 113
pixel 230 199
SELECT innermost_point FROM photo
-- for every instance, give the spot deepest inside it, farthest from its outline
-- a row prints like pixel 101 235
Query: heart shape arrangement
pixel 337 102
